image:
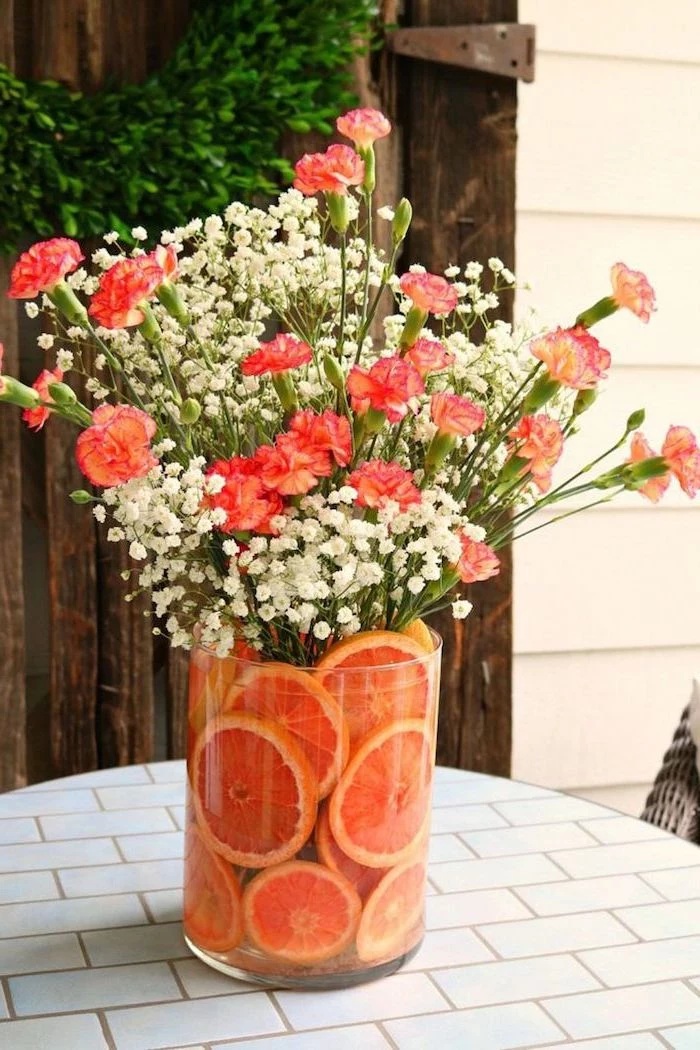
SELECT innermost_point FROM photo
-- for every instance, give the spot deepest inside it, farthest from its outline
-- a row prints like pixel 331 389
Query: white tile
pixel 464 909
pixel 542 838
pixel 116 822
pixel 483 874
pixel 652 921
pixel 37 855
pixel 178 815
pixel 58 993
pixel 465 818
pixel 206 1020
pixel 147 795
pixel 18 829
pixel 679 885
pixel 59 951
pixel 200 981
pixel 397 996
pixel 635 857
pixel 127 878
pixel 446 775
pixel 565 898
pixel 163 844
pixel 448 948
pixel 120 775
pixel 447 847
pixel 58 1033
pixel 363 1036
pixel 28 886
pixel 622 829
pixel 165 905
pixel 507 982
pixel 618 1042
pixel 39 803
pixel 625 1009
pixel 167 772
pixel 686 1038
pixel 135 944
pixel 64 916
pixel 638 963
pixel 549 810
pixel 492 1028
pixel 485 789
pixel 559 934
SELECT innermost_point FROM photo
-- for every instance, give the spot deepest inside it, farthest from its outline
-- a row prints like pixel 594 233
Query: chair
pixel 674 800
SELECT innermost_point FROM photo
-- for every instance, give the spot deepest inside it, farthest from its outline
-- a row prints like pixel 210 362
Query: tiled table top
pixel 552 922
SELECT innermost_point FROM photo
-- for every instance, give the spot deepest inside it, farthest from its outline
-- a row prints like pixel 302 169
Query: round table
pixel 551 922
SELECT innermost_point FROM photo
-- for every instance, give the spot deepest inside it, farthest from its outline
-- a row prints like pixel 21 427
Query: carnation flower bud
pixel 584 400
pixel 66 302
pixel 190 411
pixel 81 496
pixel 334 373
pixel 16 393
pixel 402 220
pixel 635 421
pixel 62 394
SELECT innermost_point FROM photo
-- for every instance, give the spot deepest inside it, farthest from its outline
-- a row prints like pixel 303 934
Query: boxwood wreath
pixel 203 130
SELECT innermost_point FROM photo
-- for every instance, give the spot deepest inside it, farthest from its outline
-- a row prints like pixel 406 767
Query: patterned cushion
pixel 674 800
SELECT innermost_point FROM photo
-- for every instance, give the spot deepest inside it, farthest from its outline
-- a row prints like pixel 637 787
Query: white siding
pixel 607 605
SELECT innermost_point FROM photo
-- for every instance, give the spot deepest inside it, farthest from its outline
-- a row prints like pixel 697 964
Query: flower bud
pixel 81 496
pixel 284 388
pixel 168 295
pixel 338 211
pixel 635 421
pixel 584 400
pixel 149 327
pixel 62 394
pixel 370 179
pixel 16 393
pixel 402 220
pixel 66 302
pixel 334 372
pixel 637 474
pixel 415 319
pixel 543 391
pixel 190 411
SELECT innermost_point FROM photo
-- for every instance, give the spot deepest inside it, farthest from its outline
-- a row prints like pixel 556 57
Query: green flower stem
pixel 560 517
pixel 368 259
pixel 598 312
pixel 343 297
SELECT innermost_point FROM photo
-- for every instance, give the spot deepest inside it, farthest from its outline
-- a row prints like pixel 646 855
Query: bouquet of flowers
pixel 300 444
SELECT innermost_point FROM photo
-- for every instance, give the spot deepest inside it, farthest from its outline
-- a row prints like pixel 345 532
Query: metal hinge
pixel 506 49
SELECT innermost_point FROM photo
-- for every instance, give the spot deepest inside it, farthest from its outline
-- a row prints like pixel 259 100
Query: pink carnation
pixel 427 355
pixel 328 432
pixel 429 292
pixel 293 465
pixel 572 356
pixel 363 126
pixel 378 482
pixel 36 417
pixel 680 450
pixel 117 447
pixel 123 290
pixel 632 290
pixel 454 414
pixel 640 450
pixel 329 172
pixel 42 266
pixel 389 385
pixel 248 505
pixel 279 355
pixel 540 440
pixel 477 562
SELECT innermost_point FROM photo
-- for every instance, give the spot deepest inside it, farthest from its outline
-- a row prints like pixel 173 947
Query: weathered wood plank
pixel 176 682
pixel 12 692
pixel 460 175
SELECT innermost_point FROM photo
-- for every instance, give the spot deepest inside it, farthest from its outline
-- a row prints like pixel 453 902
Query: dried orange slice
pixel 381 807
pixel 301 911
pixel 329 853
pixel 294 700
pixel 392 912
pixel 376 677
pixel 254 790
pixel 419 632
pixel 212 906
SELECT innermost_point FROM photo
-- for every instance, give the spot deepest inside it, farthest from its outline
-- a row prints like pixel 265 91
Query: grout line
pixel 441 992
pixel 5 988
pixel 148 773
pixel 84 950
pixel 147 908
pixel 61 891
pixel 95 794
pixel 102 1018
pixel 178 980
pixel 272 999
pixel 382 1030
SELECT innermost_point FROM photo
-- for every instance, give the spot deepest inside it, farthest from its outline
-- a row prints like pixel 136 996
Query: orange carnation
pixel 632 290
pixel 540 440
pixel 427 355
pixel 454 414
pixel 329 172
pixel 363 126
pixel 429 292
pixel 117 447
pixel 36 417
pixel 248 504
pixel 388 387
pixel 42 267
pixel 378 482
pixel 293 466
pixel 166 258
pixel 279 355
pixel 680 450
pixel 327 432
pixel 478 561
pixel 640 450
pixel 573 357
pixel 123 290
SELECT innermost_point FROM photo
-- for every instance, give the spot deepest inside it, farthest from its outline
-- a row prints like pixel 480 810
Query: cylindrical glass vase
pixel 308 811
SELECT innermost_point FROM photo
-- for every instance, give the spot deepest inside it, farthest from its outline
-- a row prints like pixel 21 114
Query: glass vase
pixel 308 811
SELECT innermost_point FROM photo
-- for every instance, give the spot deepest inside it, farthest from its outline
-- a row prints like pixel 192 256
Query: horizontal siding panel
pixel 583 719
pixel 600 136
pixel 609 581
pixel 567 259
pixel 627 28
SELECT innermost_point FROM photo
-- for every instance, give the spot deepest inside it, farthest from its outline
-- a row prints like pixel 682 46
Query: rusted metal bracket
pixel 505 49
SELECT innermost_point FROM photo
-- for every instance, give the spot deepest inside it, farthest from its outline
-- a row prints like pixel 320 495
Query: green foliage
pixel 202 131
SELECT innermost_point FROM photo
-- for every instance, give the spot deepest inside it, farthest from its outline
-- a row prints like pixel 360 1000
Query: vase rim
pixel 437 651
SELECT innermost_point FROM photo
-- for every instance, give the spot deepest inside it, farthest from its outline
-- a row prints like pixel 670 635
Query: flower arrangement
pixel 288 470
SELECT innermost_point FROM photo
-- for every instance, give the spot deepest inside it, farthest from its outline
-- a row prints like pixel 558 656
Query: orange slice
pixel 419 632
pixel 380 810
pixel 212 907
pixel 392 912
pixel 254 790
pixel 294 700
pixel 212 678
pixel 301 911
pixel 376 677
pixel 329 852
